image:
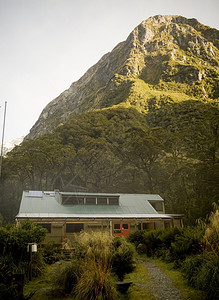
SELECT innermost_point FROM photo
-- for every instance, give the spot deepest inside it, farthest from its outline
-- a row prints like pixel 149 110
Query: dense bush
pixel 155 242
pixel 51 253
pixel 172 244
pixel 202 272
pixel 191 268
pixel 189 242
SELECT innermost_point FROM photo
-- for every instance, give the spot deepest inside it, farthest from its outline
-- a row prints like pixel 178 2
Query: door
pixel 121 229
pixel 57 232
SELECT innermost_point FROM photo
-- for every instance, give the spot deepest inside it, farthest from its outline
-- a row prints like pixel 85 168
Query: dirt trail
pixel 162 286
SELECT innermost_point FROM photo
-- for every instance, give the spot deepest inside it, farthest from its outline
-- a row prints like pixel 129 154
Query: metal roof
pixel 37 204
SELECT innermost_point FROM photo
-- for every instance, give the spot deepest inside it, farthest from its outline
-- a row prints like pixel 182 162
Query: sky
pixel 45 45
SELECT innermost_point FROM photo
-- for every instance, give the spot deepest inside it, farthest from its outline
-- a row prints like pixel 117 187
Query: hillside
pixel 176 57
pixel 144 119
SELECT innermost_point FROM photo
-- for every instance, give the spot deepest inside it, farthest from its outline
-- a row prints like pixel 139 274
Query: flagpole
pixel 3 133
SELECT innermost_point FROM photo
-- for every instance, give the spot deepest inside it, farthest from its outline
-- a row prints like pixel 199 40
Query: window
pixel 46 225
pixel 146 226
pixel 95 226
pixel 91 201
pixel 166 225
pixel 114 200
pixel 79 199
pixel 72 200
pixel 116 226
pixel 125 226
pixel 102 201
pixel 74 227
pixel 157 205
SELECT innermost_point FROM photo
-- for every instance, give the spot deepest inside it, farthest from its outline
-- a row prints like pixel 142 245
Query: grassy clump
pixel 95 282
pixel 97 261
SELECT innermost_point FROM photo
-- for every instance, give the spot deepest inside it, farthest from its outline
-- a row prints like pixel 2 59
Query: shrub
pixel 147 241
pixel 167 236
pixel 122 258
pixel 191 267
pixel 208 278
pixel 14 239
pixel 137 237
pixel 189 242
pixel 14 256
pixel 51 253
pixel 202 272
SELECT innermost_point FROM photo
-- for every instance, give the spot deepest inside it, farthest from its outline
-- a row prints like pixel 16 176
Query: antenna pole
pixel 3 133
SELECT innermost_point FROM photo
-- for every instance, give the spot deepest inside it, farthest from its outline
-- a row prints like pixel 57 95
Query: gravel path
pixel 162 286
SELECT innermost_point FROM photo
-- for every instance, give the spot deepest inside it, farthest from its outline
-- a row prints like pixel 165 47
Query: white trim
pixel 92 216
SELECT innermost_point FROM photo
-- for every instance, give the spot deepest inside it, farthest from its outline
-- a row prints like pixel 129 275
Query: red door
pixel 121 229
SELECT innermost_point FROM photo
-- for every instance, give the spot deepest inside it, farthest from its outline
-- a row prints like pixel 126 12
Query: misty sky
pixel 48 44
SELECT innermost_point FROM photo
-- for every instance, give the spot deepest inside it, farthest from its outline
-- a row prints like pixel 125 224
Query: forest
pixel 171 151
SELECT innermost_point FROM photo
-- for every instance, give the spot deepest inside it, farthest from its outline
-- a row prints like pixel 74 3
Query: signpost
pixel 31 247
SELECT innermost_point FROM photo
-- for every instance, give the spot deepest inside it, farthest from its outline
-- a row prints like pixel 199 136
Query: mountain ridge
pixel 168 53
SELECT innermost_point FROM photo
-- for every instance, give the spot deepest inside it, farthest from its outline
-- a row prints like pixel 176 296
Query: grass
pixel 42 286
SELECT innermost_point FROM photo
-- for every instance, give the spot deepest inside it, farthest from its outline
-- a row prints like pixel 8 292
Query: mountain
pixel 164 57
pixel 144 119
pixel 10 145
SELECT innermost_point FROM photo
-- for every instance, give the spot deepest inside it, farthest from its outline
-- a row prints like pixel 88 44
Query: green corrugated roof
pixel 35 203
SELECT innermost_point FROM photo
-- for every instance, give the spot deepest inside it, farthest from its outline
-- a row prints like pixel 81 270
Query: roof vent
pixel 37 194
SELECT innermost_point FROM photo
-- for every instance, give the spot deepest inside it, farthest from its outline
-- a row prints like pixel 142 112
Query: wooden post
pixel 30 262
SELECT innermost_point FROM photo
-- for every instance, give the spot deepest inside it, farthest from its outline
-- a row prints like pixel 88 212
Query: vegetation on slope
pixel 172 150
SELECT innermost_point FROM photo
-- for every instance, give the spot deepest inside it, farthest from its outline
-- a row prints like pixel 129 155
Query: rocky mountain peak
pixel 159 50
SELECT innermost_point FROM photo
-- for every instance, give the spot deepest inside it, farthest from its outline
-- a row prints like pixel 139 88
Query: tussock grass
pixel 97 261
pixel 211 236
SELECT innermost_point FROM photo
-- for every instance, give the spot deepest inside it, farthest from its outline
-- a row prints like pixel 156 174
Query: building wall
pixel 59 229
